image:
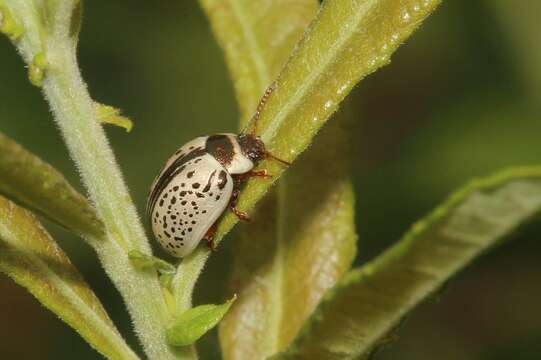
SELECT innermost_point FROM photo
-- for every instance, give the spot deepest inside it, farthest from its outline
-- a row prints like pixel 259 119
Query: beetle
pixel 199 181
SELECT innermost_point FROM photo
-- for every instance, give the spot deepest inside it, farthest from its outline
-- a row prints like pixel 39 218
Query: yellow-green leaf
pixel 143 261
pixel 109 115
pixel 30 181
pixel 195 322
pixel 348 40
pixel 359 313
pixel 30 256
pixel 318 240
pixel 286 262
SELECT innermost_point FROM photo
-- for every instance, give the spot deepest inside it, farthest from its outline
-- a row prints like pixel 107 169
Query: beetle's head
pixel 252 147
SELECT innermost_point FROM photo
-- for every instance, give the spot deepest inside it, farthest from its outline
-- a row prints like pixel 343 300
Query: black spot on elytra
pixel 190 229
pixel 165 195
pixel 194 203
pixel 175 188
pixel 173 200
pixel 161 202
pixel 199 195
pixel 183 202
pixel 182 193
pixel 222 179
pixel 191 215
pixel 190 174
pixel 178 238
pixel 167 234
pixel 217 197
pixel 204 211
pixel 173 217
pixel 209 181
pixel 196 185
pixel 193 222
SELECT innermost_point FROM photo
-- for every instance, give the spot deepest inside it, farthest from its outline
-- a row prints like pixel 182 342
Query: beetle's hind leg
pixel 209 237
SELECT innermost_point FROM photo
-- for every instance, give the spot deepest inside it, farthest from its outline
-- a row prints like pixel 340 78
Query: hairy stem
pixel 87 143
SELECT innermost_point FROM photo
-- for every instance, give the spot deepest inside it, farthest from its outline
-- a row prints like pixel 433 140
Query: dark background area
pixel 461 99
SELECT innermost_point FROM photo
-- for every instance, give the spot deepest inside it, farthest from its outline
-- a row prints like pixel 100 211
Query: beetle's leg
pixel 209 236
pixel 259 173
pixel 235 198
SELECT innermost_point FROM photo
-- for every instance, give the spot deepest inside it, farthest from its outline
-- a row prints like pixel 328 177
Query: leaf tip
pixel 109 115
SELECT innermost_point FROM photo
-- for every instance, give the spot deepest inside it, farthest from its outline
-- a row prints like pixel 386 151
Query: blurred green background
pixel 460 99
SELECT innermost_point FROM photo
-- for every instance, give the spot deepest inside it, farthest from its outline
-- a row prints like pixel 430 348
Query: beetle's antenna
pixel 268 154
pixel 260 107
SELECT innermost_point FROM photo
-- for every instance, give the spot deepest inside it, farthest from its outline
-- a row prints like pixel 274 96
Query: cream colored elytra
pixel 195 187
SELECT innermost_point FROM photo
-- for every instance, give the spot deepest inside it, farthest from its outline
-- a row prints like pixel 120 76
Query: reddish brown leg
pixel 239 180
pixel 209 236
pixel 258 173
pixel 233 205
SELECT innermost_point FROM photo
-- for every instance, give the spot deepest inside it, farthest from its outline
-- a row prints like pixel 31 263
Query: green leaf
pixel 358 314
pixel 8 25
pixel 347 41
pixel 196 322
pixel 313 233
pixel 35 184
pixel 285 263
pixel 109 115
pixel 30 256
pixel 143 261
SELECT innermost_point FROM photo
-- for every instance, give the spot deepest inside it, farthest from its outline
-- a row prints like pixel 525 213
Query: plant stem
pixel 88 145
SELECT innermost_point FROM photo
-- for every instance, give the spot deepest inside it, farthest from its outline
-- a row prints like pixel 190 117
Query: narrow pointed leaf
pixel 280 280
pixel 347 41
pixel 370 302
pixel 143 261
pixel 32 182
pixel 196 322
pixel 317 244
pixel 109 115
pixel 30 256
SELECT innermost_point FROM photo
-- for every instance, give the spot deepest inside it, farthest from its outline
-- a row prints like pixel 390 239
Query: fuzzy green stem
pixel 75 115
pixel 186 277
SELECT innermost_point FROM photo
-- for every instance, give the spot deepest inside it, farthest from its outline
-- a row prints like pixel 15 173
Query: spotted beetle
pixel 199 181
